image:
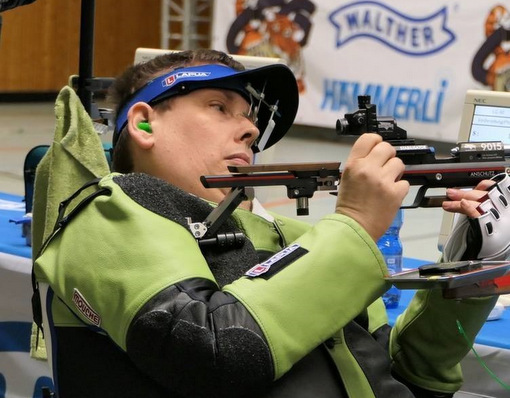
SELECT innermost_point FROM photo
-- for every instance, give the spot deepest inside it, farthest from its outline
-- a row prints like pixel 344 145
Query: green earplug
pixel 145 126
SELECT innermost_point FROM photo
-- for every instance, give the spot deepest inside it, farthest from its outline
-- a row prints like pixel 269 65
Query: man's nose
pixel 248 131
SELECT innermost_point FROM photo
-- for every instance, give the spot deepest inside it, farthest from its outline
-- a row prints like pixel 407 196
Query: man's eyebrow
pixel 227 93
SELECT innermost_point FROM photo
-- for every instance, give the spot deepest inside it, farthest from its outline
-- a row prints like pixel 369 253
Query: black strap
pixel 63 219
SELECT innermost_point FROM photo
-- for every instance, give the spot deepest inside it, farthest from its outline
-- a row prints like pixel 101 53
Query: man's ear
pixel 139 116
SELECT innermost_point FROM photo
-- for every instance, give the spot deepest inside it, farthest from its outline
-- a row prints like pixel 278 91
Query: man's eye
pixel 220 107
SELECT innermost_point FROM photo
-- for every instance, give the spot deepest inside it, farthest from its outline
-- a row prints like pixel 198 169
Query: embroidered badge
pixel 264 267
pixel 85 309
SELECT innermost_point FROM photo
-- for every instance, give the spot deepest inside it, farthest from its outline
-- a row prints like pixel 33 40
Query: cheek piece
pixel 486 237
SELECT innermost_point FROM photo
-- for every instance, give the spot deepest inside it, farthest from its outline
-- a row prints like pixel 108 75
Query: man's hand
pixel 370 190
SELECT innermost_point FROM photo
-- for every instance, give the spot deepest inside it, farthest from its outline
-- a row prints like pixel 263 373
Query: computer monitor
pixel 250 62
pixel 485 117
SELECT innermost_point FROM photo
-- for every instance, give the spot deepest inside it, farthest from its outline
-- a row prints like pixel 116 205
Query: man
pixel 137 306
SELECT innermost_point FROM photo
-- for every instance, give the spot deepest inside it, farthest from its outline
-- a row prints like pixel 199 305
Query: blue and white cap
pixel 271 90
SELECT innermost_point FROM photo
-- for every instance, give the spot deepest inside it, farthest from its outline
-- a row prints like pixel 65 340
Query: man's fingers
pixel 364 145
pixel 395 168
pixel 466 201
pixel 477 193
pixel 472 194
pixel 469 208
pixel 484 185
pixel 402 187
pixel 381 153
pixel 463 206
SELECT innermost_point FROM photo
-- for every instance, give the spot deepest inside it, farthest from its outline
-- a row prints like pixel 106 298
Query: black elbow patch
pixel 193 359
pixel 244 358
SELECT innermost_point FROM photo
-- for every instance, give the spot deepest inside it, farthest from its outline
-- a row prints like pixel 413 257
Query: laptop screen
pixel 491 123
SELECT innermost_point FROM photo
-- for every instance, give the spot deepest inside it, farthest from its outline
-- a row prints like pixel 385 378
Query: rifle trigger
pixel 425 201
pixel 419 198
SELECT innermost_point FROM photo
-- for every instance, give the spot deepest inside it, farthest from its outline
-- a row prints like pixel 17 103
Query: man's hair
pixel 137 76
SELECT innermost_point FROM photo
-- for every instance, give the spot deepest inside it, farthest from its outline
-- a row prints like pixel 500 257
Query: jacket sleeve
pixel 426 343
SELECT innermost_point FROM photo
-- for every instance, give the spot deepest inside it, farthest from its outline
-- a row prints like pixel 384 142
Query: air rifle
pixel 468 164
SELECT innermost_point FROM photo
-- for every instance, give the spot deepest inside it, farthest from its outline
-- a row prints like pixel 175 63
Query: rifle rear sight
pixel 365 120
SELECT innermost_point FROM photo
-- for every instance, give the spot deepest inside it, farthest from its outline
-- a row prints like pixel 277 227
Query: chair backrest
pixel 32 160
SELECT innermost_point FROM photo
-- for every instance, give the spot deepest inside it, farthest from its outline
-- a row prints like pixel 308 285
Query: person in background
pixel 137 305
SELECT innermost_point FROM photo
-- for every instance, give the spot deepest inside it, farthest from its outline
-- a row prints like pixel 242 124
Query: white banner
pixel 416 59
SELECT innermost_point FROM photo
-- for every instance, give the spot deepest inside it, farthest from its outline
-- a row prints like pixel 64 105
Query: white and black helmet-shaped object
pixel 271 91
pixel 486 237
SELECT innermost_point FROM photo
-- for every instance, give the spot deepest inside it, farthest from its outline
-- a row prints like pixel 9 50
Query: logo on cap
pixel 170 80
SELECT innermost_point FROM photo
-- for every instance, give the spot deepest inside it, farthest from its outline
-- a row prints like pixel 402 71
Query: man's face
pixel 201 133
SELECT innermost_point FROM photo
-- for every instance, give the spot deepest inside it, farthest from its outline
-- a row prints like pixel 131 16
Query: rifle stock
pixel 303 179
